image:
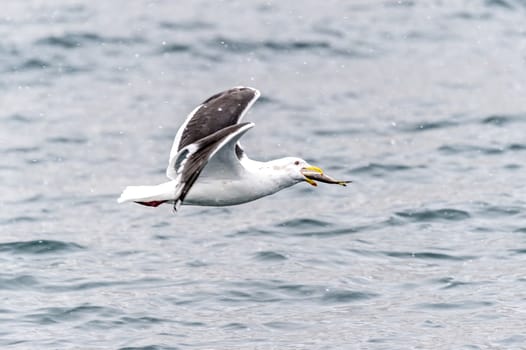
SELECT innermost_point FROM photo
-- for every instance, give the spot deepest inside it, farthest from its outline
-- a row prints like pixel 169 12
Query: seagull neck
pixel 256 166
pixel 251 164
pixel 269 173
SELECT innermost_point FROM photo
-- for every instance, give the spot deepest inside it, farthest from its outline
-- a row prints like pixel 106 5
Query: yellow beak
pixel 311 169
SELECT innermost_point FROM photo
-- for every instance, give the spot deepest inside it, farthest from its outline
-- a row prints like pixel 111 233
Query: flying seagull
pixel 208 167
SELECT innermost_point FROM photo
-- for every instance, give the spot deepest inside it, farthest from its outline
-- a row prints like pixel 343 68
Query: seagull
pixel 208 166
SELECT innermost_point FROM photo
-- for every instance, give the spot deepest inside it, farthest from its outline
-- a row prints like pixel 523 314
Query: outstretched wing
pixel 220 111
pixel 192 159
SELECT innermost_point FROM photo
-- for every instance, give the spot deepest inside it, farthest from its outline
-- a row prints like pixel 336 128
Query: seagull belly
pixel 223 192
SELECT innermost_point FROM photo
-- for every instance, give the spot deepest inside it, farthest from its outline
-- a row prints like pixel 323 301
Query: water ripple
pixel 279 292
pixel 235 326
pixel 425 126
pixel 345 296
pixel 462 305
pixel 174 48
pixel 18 283
pixel 336 132
pixel 270 256
pixel 39 247
pixel 489 210
pixel 299 290
pixel 150 347
pixel 77 286
pixel 52 315
pixel 22 150
pixel 142 321
pixel 31 64
pixel 503 120
pixel 186 26
pixel 76 40
pixel 455 149
pixel 67 140
pixel 451 283
pixel 443 214
pixel 331 232
pixel 285 325
pixel 237 296
pixel 518 251
pixel 243 46
pixel 308 227
pixel 304 223
pixel 20 118
pixel 382 170
pixel 20 219
pixel 428 256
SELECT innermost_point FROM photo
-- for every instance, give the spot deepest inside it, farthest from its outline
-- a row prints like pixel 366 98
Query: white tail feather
pixel 162 192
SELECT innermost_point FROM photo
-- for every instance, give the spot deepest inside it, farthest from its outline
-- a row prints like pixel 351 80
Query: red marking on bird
pixel 152 203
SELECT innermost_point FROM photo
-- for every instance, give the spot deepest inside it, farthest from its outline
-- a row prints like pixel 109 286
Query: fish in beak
pixel 312 173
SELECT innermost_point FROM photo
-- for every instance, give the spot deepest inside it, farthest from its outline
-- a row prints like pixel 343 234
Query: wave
pixel 269 256
pixel 503 119
pixel 428 256
pixel 461 305
pixel 39 247
pixel 67 140
pixel 204 47
pixel 381 170
pixel 493 211
pixel 52 315
pixel 486 150
pixel 76 40
pixel 18 283
pixel 277 291
pixel 426 215
pixel 186 26
pixel 426 126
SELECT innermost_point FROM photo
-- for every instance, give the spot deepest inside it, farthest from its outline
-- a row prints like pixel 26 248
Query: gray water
pixel 420 103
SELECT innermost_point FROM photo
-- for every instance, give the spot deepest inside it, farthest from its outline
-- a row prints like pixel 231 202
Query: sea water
pixel 420 103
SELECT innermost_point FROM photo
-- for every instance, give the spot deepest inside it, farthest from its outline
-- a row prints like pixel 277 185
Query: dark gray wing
pixel 192 159
pixel 217 112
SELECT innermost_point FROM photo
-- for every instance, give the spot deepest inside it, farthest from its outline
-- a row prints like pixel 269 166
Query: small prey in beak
pixel 312 173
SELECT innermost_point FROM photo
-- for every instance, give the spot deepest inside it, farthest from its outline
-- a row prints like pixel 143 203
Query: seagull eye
pixel 297 162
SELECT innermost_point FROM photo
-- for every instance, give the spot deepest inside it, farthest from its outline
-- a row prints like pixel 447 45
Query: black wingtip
pixel 176 206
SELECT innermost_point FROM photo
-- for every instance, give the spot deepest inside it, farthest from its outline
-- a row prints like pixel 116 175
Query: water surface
pixel 421 104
